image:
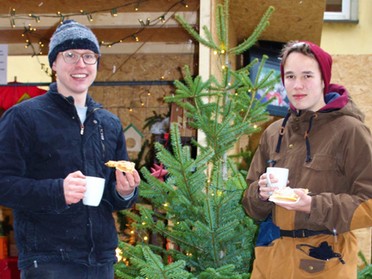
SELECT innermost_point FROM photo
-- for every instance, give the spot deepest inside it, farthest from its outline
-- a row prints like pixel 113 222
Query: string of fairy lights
pixel 31 34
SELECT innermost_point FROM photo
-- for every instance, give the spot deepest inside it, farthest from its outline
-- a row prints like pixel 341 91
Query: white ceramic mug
pixel 281 174
pixel 94 191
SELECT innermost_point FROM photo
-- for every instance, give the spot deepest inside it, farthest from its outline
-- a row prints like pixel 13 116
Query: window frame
pixel 349 12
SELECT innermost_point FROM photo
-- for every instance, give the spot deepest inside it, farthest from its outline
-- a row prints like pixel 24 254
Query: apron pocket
pixel 312 266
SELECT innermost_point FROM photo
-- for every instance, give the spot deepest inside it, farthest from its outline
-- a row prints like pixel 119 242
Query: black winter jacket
pixel 41 142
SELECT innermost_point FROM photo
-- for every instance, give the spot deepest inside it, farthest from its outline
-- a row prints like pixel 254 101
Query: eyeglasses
pixel 71 57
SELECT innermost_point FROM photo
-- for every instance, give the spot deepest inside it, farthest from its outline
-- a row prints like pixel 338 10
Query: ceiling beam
pixel 101 20
pixel 123 48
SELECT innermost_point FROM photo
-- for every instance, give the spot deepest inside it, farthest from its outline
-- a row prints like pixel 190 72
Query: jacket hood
pixel 338 103
pixel 336 98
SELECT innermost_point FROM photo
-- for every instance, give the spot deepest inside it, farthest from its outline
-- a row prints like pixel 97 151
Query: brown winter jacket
pixel 328 152
pixel 338 175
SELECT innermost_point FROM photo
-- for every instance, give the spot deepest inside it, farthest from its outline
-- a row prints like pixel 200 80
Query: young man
pixel 49 144
pixel 328 150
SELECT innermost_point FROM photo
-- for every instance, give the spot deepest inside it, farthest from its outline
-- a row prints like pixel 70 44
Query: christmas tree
pixel 193 216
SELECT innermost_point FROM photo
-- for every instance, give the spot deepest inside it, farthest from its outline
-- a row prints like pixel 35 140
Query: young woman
pixel 328 150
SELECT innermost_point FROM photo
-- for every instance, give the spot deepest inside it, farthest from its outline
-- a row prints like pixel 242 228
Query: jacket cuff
pixel 126 197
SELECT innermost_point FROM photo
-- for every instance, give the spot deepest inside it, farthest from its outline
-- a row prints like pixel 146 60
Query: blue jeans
pixel 68 270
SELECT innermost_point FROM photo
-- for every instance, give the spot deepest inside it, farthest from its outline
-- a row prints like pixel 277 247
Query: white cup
pixel 94 191
pixel 281 174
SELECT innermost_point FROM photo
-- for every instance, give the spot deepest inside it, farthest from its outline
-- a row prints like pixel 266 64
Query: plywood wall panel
pixel 134 104
pixel 353 72
pixel 291 20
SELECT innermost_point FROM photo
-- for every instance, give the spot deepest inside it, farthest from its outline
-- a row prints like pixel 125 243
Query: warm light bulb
pixel 119 254
pixel 114 12
pixel 162 19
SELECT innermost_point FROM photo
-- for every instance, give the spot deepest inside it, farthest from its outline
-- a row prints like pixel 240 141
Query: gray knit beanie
pixel 71 35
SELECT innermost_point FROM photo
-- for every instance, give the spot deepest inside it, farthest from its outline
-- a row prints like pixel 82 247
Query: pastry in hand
pixel 286 194
pixel 124 166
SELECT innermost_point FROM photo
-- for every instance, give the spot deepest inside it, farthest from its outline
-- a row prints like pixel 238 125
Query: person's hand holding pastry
pixel 292 199
pixel 127 177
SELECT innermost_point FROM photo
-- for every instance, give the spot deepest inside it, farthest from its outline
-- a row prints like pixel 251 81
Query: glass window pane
pixel 334 5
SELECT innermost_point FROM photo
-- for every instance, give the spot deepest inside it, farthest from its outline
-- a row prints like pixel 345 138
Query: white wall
pixel 27 69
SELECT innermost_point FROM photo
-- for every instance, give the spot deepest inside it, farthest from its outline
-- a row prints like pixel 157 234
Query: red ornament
pixel 159 172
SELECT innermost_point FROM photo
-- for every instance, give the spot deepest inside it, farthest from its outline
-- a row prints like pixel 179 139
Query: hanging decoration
pixel 133 138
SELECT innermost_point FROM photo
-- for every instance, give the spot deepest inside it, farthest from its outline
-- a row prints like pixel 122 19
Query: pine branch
pixel 151 266
pixel 208 43
pixel 262 25
pixel 221 27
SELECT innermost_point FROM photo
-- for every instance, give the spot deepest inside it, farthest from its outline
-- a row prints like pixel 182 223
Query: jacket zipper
pixel 82 124
pixel 102 140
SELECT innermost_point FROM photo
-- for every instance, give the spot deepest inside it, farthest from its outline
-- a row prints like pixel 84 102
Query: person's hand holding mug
pixel 74 187
pixel 273 179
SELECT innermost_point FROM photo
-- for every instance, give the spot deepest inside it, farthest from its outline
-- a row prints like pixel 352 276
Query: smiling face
pixel 303 82
pixel 74 79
